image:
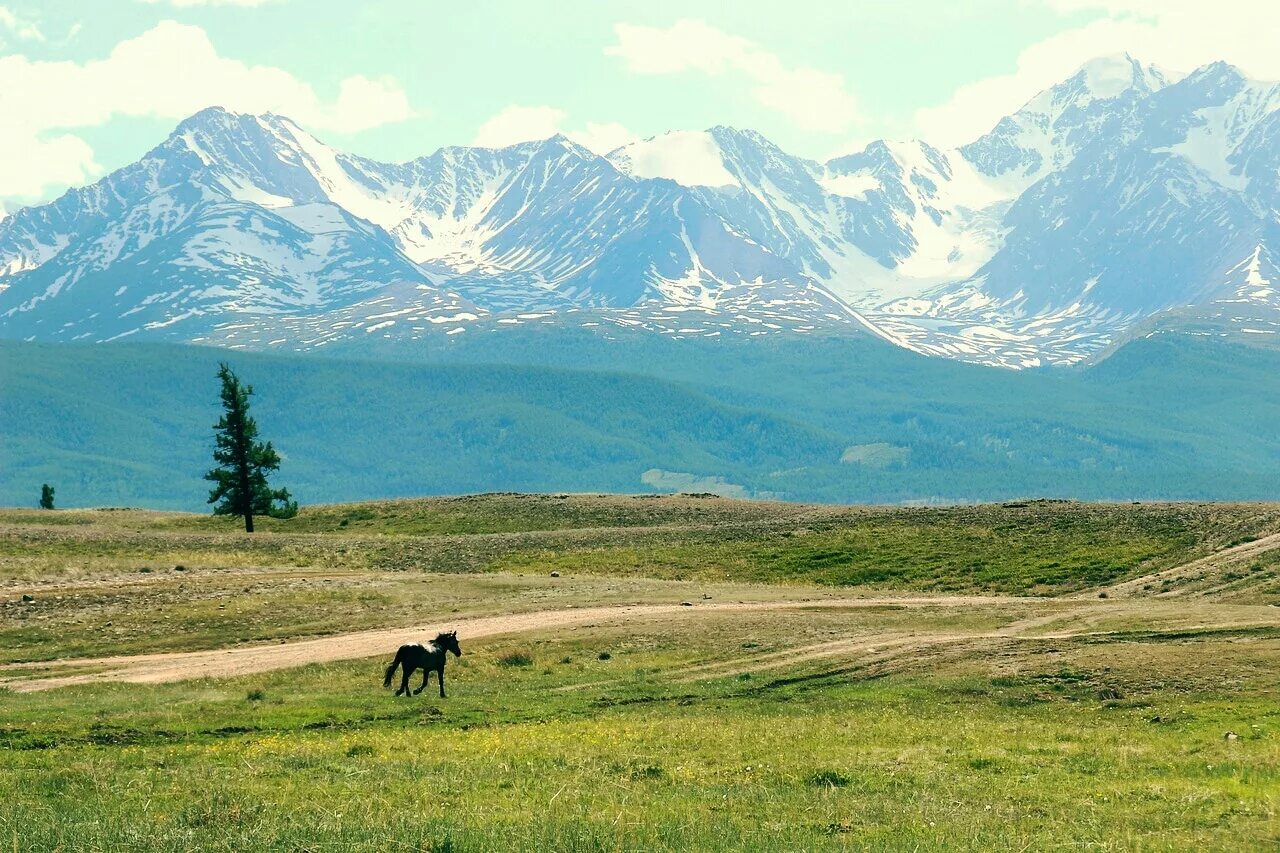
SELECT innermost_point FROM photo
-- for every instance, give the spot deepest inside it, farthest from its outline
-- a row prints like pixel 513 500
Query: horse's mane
pixel 441 637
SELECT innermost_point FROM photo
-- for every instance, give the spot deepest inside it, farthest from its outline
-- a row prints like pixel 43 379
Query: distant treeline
pixel 562 409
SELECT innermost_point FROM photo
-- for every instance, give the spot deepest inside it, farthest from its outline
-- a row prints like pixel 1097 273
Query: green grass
pixel 1021 547
pixel 406 561
pixel 1036 548
pixel 957 758
pixel 1032 722
pixel 508 513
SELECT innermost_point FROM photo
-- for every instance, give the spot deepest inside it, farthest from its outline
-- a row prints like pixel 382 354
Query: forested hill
pixel 829 419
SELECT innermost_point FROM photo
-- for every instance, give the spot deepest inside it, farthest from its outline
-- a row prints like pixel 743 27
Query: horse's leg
pixel 404 682
pixel 426 673
pixel 440 674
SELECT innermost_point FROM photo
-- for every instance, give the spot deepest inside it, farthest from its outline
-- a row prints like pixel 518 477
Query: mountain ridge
pixel 1042 242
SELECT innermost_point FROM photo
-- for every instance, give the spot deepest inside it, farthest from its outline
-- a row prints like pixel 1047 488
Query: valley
pixel 804 426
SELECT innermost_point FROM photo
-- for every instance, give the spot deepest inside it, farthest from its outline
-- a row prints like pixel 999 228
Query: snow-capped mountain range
pixel 1120 194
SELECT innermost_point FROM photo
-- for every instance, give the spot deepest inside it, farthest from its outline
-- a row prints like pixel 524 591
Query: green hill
pixel 825 419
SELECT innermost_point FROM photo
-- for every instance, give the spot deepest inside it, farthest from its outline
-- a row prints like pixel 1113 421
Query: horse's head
pixel 449 642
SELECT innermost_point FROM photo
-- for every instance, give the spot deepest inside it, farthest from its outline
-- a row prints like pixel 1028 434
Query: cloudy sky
pixel 86 87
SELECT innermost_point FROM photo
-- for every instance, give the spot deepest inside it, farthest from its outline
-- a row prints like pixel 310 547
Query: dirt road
pixel 1198 577
pixel 242 660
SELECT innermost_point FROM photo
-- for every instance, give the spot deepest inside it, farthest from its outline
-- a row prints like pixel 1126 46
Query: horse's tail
pixel 391 670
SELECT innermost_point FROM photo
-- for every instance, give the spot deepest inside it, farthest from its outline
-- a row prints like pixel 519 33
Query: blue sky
pixel 86 87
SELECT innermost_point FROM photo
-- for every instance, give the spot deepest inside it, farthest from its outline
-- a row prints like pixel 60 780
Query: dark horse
pixel 426 658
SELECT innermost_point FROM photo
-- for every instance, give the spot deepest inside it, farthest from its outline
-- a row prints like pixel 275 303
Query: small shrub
pixel 828 779
pixel 443 845
pixel 566 659
pixel 603 656
pixel 515 658
pixel 358 749
pixel 255 695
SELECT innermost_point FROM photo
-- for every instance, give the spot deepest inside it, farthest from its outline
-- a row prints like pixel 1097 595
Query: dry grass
pixel 961 722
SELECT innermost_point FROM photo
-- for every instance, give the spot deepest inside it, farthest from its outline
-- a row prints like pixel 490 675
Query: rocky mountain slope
pixel 1121 195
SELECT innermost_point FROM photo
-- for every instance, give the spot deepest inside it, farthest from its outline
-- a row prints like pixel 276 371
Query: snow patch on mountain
pixel 855 185
pixel 690 158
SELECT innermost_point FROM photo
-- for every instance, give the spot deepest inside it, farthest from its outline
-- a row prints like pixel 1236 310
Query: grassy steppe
pixel 116 587
pixel 1051 719
pixel 924 754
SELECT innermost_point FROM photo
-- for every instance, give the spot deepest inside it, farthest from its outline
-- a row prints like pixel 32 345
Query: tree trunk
pixel 248 522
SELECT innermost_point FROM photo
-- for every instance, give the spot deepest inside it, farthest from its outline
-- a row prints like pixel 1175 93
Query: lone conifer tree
pixel 46 496
pixel 243 462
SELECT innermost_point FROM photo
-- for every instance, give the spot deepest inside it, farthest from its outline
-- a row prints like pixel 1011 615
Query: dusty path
pixel 1194 569
pixel 242 660
pixel 1070 612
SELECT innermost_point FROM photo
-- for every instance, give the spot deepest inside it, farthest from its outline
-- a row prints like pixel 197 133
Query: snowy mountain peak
pixel 1110 196
pixel 899 158
pixel 210 116
pixel 1048 131
pixel 1216 74
pixel 1106 77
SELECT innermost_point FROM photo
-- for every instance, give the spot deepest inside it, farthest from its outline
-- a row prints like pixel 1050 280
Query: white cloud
pixel 170 71
pixel 29 164
pixel 602 138
pixel 19 26
pixel 687 45
pixel 815 100
pixel 517 123
pixel 1178 35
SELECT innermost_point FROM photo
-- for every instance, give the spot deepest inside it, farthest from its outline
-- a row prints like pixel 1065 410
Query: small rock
pixel 1231 736
pixel 28 599
pixel 555 574
pixel 686 604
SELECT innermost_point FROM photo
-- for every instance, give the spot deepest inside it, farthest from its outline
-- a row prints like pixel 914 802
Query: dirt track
pixel 242 660
pixel 1196 569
